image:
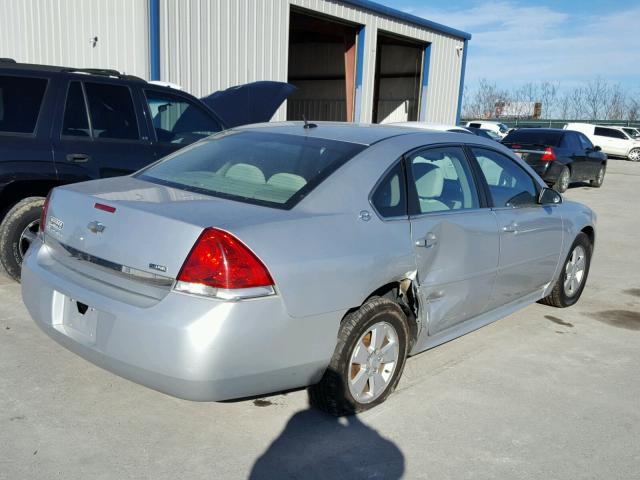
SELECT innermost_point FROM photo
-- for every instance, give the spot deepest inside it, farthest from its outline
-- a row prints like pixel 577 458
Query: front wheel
pixel 18 230
pixel 368 359
pixel 573 277
pixel 564 179
pixel 634 155
pixel 597 182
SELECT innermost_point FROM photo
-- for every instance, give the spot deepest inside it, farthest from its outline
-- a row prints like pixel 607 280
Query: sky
pixel 565 41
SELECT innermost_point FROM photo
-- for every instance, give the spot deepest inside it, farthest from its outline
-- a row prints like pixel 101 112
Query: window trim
pixel 186 98
pixel 381 179
pixel 34 132
pixel 412 194
pixel 483 180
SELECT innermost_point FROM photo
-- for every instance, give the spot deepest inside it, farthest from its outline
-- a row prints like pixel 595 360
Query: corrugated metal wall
pixel 58 32
pixel 208 45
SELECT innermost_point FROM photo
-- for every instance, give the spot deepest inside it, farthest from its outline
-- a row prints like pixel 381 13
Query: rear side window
pixel 268 169
pixel 20 103
pixel 509 184
pixel 442 180
pixel 534 137
pixel 390 197
pixel 112 112
pixel 609 132
pixel 178 120
pixel 75 122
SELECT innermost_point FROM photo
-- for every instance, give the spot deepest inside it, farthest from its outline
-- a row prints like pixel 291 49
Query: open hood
pixel 249 103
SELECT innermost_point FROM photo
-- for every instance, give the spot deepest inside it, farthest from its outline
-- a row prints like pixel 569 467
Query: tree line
pixel 596 99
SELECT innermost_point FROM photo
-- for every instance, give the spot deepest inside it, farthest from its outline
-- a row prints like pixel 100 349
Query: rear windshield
pixel 534 137
pixel 20 101
pixel 268 169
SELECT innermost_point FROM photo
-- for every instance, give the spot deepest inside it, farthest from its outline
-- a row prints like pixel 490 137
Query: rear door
pixel 454 234
pixel 175 120
pixel 530 234
pixel 99 132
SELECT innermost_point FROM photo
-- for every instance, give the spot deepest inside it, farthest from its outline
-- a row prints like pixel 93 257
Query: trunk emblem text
pixel 96 227
pixel 160 268
pixel 56 223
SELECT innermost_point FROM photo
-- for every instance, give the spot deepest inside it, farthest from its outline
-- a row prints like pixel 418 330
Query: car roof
pixel 535 129
pixel 9 64
pixel 361 133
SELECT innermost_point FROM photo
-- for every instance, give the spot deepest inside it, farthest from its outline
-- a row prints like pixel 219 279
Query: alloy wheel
pixel 574 271
pixel 373 362
pixel 634 155
pixel 27 237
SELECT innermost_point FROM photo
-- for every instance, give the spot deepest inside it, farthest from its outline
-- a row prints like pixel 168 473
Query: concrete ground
pixel 544 393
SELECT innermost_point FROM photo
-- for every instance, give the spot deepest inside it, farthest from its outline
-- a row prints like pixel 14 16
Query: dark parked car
pixel 559 156
pixel 63 125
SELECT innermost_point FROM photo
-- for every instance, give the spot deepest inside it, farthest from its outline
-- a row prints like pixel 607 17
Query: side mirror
pixel 597 148
pixel 548 196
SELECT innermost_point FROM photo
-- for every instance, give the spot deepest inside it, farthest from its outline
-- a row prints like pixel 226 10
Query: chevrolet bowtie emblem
pixel 96 227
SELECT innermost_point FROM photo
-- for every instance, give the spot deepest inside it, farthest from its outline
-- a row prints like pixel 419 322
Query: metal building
pixel 352 60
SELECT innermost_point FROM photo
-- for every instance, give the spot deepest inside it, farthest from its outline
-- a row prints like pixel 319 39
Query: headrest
pixel 287 181
pixel 429 180
pixel 246 173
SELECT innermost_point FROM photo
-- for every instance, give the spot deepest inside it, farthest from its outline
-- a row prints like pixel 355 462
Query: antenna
pixel 308 125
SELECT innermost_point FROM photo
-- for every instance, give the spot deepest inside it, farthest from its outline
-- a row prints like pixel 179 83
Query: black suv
pixel 61 125
pixel 559 156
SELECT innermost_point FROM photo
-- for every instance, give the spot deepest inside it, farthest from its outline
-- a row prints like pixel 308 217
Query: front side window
pixel 442 180
pixel 178 120
pixel 75 122
pixel 585 142
pixel 20 103
pixel 389 198
pixel 268 169
pixel 509 184
pixel 111 110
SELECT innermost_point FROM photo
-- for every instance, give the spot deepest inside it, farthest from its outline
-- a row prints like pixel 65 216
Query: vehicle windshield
pixel 547 138
pixel 269 169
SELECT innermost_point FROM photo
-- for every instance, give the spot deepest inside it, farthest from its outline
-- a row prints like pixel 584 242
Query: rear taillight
pixel 549 155
pixel 43 215
pixel 220 265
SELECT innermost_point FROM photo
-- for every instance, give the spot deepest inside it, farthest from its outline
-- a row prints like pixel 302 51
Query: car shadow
pixel 316 445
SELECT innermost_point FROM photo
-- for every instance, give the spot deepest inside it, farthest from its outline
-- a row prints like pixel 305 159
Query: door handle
pixel 78 158
pixel 428 241
pixel 511 228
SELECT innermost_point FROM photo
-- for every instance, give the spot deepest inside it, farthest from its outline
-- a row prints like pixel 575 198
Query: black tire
pixel 12 243
pixel 564 179
pixel 332 393
pixel 558 297
pixel 599 180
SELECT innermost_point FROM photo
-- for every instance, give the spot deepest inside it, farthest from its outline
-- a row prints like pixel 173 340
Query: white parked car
pixel 498 127
pixel 613 141
pixel 441 127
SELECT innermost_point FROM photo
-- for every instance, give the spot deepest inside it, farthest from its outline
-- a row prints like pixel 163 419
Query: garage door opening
pixel 398 79
pixel 322 58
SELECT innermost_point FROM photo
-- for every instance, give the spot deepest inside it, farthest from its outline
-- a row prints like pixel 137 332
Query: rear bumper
pixel 186 346
pixel 548 171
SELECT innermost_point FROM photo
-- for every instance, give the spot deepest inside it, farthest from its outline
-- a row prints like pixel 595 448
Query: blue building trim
pixel 462 73
pixel 357 112
pixel 154 39
pixel 426 63
pixel 407 17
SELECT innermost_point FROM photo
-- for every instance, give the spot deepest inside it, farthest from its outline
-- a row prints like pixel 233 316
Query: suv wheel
pixel 18 230
pixel 634 155
pixel 367 362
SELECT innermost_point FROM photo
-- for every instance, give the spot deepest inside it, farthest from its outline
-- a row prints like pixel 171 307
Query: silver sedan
pixel 286 255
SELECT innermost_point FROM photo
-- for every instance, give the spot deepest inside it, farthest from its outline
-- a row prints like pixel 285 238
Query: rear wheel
pixel 597 182
pixel 573 277
pixel 634 155
pixel 367 362
pixel 18 230
pixel 564 179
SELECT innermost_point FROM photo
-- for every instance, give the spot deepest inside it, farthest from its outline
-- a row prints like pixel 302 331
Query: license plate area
pixel 75 319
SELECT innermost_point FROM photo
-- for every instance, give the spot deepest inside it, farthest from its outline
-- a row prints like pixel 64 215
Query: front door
pixel 99 133
pixel 455 238
pixel 530 234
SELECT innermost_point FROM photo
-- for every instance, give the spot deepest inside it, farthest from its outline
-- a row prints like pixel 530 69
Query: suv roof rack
pixel 106 72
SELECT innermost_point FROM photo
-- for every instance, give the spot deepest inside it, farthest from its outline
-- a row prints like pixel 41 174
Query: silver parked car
pixel 285 255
